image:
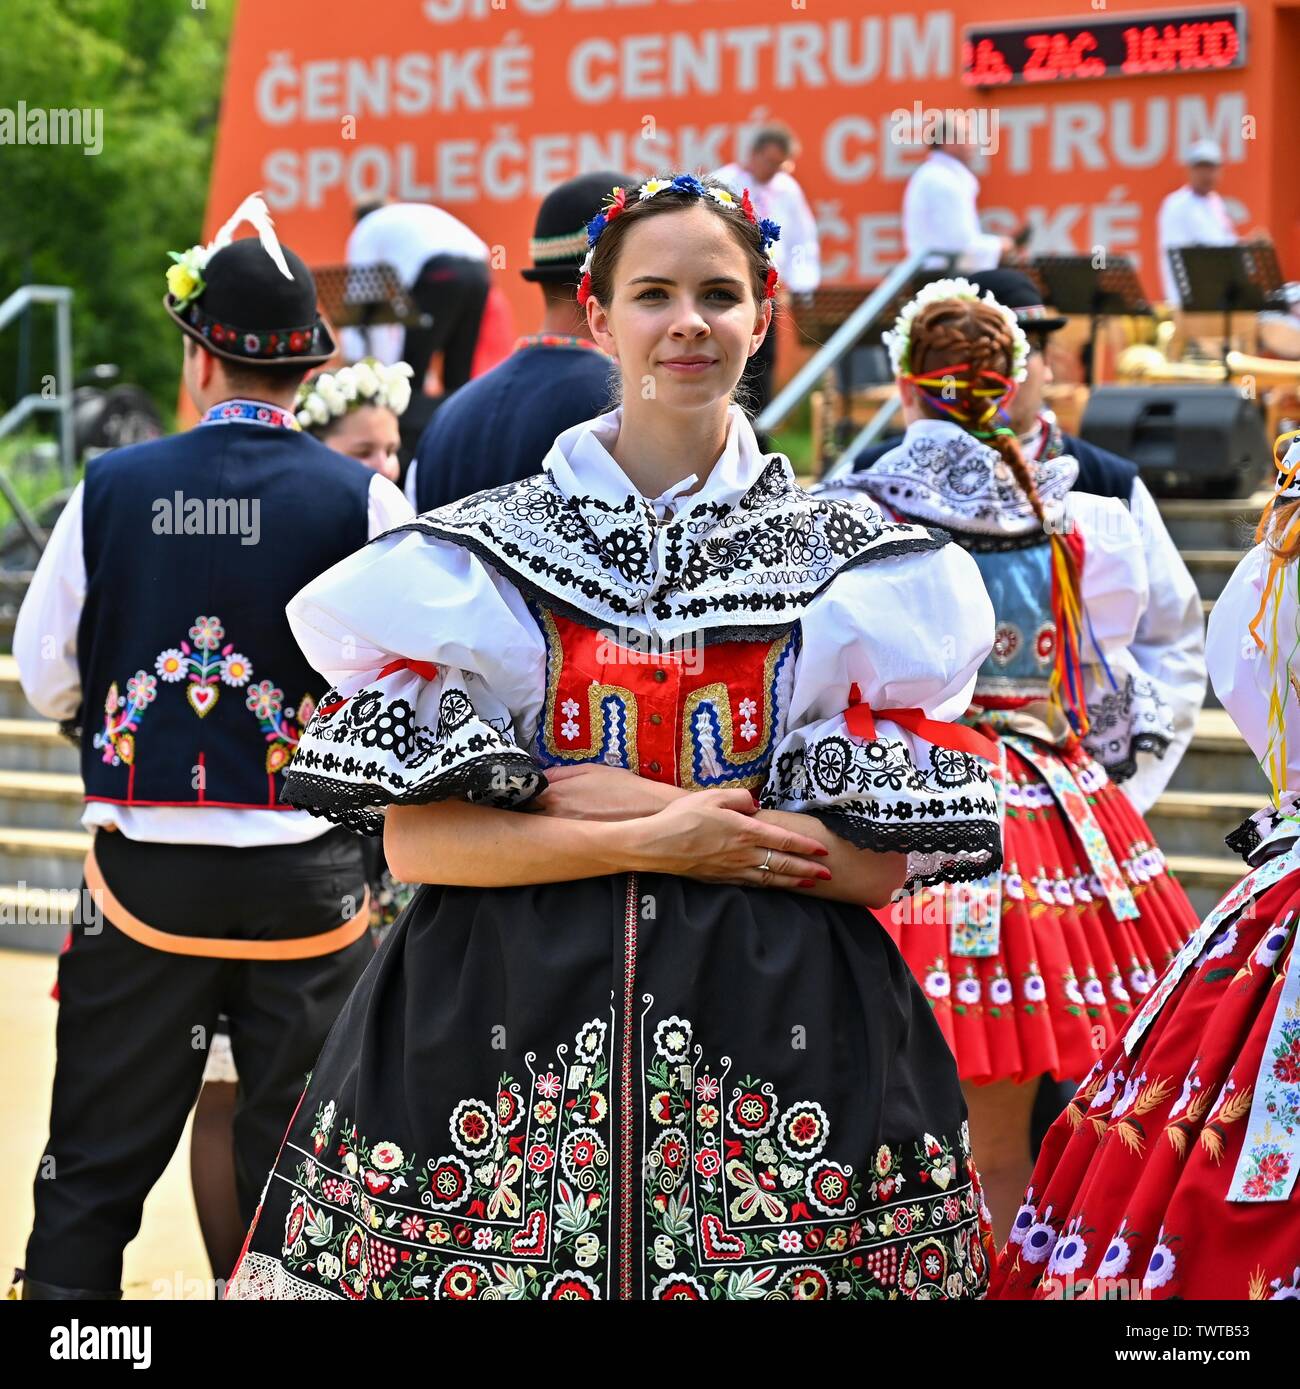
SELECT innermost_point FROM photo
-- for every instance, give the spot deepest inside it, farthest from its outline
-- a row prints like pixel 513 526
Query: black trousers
pixel 135 1023
pixel 453 291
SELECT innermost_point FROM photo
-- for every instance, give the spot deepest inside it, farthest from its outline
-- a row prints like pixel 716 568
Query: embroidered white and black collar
pixel 941 474
pixel 742 557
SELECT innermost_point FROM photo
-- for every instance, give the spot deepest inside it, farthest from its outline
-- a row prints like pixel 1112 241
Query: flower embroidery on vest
pixel 205 662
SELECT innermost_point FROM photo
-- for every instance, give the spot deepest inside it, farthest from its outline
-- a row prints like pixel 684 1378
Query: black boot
pixel 36 1291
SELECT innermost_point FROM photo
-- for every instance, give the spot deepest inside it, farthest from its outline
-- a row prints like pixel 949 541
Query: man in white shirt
pixel 940 213
pixel 445 266
pixel 1195 214
pixel 767 172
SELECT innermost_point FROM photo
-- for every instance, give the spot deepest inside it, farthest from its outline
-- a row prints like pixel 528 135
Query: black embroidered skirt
pixel 628 1087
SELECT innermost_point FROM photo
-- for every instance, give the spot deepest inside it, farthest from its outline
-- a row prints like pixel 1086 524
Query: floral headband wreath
pixel 682 183
pixel 331 395
pixel 990 391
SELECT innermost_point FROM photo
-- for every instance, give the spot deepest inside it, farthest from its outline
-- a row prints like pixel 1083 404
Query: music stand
pixel 364 296
pixel 1225 279
pixel 1074 285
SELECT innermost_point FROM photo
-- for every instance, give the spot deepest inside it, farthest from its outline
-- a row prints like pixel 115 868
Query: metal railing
pixel 22 301
pixel 844 339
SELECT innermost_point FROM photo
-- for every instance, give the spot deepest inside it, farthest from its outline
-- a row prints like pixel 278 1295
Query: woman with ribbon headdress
pixel 1037 968
pixel 641 1042
pixel 1173 1171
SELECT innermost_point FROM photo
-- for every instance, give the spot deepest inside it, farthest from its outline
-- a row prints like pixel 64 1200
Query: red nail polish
pixel 823 852
pixel 825 875
pixel 807 882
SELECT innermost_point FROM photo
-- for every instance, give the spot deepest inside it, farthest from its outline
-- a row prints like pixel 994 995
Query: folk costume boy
pixel 155 629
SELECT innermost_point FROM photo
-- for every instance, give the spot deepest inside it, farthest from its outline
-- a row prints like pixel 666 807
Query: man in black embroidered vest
pixel 157 615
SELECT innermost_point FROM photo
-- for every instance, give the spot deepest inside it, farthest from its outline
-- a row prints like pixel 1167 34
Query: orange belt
pixel 299 948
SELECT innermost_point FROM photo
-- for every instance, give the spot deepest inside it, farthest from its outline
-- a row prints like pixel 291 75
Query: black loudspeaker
pixel 1188 441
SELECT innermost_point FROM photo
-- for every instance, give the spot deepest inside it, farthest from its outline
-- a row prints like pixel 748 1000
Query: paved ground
pixel 166 1259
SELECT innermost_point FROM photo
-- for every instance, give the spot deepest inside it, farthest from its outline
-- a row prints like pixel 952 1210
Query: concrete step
pixel 1213 525
pixel 1211 569
pixel 38 918
pixel 42 857
pixel 36 745
pixel 1206 878
pixel 1219 760
pixel 40 800
pixel 1195 822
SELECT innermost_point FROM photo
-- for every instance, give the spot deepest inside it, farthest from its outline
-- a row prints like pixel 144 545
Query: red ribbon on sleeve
pixel 425 669
pixel 860 720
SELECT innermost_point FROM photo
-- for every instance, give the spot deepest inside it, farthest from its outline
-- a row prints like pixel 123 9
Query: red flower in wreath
pixel 773 279
pixel 747 207
pixel 615 205
pixel 584 289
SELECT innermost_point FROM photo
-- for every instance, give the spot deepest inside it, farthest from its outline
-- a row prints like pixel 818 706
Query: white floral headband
pixel 899 339
pixel 682 183
pixel 331 395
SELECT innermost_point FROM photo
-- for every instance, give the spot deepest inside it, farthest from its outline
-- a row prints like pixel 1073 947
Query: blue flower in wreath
pixel 688 183
pixel 769 230
pixel 595 227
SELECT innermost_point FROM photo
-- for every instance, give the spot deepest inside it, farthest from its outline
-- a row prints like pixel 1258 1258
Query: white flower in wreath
pixel 171 665
pixel 317 411
pixel 236 669
pixel 367 381
pixel 673 1038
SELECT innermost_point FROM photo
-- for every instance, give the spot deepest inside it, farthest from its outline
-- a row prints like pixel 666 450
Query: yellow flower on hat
pixel 181 282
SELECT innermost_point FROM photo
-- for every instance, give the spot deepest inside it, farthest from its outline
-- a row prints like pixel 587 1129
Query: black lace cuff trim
pixel 506 779
pixel 1153 743
pixel 982 841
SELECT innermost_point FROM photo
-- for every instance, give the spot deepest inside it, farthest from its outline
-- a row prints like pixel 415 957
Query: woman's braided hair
pixel 973 335
pixel 962 358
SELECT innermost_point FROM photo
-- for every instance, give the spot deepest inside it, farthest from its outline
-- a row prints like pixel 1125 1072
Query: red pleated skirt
pixel 1067 974
pixel 1128 1198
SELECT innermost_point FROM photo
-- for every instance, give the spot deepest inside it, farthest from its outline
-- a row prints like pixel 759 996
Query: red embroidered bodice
pixel 693 715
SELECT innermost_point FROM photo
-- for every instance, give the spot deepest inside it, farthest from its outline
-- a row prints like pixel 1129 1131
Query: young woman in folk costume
pixel 1037 968
pixel 1173 1171
pixel 642 1042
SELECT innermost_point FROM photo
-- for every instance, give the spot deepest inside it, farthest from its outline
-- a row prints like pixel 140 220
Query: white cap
pixel 1205 152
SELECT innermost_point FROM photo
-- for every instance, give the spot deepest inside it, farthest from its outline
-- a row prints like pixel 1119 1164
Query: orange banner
pixel 481 106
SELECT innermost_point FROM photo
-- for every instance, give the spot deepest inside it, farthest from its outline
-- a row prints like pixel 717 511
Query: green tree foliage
pixel 104 224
